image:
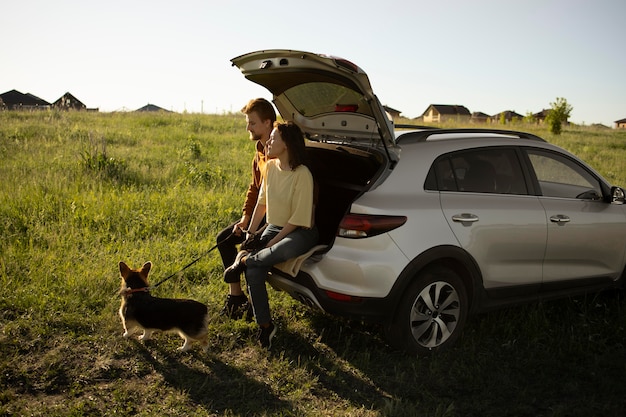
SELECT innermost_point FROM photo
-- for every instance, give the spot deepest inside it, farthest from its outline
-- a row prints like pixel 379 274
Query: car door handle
pixel 465 218
pixel 559 218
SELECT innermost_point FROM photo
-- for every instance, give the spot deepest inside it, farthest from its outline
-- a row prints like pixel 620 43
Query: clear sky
pixel 488 55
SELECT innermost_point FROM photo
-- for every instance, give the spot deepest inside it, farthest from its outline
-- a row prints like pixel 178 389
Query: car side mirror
pixel 617 195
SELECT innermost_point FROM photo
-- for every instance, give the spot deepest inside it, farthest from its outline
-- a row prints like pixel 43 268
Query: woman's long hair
pixel 294 140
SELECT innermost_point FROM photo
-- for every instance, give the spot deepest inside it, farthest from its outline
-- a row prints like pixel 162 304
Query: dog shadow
pixel 211 383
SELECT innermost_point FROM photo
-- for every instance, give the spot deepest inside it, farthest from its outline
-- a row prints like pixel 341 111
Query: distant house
pixel 620 124
pixel 395 114
pixel 14 100
pixel 68 102
pixel 479 117
pixel 508 116
pixel 438 113
pixel 541 116
pixel 152 107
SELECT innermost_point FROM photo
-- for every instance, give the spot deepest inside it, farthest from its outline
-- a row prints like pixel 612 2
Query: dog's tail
pixel 204 334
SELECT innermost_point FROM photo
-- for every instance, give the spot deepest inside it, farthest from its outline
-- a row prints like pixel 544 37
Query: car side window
pixel 483 170
pixel 562 177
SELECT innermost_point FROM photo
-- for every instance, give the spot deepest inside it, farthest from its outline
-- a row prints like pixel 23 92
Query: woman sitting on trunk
pixel 286 199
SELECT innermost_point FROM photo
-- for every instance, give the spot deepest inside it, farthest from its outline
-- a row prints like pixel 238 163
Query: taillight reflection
pixel 358 226
pixel 346 107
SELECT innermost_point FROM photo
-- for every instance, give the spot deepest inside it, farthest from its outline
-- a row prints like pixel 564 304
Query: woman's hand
pixel 284 232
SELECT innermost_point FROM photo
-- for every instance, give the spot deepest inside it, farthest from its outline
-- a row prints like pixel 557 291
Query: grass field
pixel 81 191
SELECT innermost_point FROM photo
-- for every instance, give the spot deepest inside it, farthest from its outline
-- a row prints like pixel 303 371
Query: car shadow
pixel 555 357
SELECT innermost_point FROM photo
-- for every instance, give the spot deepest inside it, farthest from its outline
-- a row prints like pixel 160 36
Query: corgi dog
pixel 140 310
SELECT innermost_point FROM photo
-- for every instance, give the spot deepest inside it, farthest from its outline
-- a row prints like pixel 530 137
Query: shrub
pixel 558 115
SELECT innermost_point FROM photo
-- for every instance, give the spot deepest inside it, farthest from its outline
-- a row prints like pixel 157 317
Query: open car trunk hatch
pixel 329 98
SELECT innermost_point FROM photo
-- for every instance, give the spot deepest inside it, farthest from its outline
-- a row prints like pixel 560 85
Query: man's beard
pixel 255 136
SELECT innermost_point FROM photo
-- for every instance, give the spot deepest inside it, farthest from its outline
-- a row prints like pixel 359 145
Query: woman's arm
pixel 284 232
pixel 257 217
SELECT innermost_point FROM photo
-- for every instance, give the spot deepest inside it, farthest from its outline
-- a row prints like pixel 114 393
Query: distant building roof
pixel 449 109
pixel 14 99
pixel 542 114
pixel 508 115
pixel 68 101
pixel 152 107
pixel 621 121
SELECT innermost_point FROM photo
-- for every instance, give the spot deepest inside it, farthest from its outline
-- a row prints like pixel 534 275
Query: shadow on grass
pixel 554 358
pixel 330 359
pixel 211 383
pixel 547 359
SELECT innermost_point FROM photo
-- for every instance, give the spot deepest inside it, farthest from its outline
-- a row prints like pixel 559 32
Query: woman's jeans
pixel 258 264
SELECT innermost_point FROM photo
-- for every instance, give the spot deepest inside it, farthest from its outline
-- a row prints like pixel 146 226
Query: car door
pixel 485 199
pixel 586 233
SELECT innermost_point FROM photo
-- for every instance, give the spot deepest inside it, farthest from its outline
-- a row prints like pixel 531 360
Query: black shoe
pixel 266 334
pixel 235 306
pixel 233 272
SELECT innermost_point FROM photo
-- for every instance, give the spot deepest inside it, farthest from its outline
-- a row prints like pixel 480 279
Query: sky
pixel 487 55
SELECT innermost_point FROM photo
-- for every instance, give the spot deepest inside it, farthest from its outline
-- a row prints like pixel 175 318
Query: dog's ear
pixel 124 269
pixel 146 268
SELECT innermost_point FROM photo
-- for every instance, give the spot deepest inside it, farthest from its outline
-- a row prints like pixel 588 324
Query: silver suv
pixel 421 227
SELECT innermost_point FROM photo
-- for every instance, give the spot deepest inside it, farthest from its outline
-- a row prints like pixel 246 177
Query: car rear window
pixel 483 170
pixel 312 99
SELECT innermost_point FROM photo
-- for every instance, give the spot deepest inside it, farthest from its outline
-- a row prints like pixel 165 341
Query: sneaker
pixel 235 306
pixel 266 334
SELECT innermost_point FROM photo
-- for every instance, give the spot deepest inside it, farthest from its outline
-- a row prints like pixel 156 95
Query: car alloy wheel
pixel 435 314
pixel 432 312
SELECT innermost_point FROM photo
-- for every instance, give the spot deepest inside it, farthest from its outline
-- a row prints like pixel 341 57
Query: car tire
pixel 431 314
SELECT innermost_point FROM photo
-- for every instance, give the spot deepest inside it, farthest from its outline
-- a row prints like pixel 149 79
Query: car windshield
pixel 313 99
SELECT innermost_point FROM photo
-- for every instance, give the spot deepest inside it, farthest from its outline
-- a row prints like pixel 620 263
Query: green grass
pixel 81 191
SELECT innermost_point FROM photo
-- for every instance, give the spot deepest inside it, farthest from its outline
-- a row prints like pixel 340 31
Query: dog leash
pixel 184 267
pixel 190 263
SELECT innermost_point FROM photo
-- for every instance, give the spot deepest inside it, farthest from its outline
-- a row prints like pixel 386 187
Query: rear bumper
pixel 303 289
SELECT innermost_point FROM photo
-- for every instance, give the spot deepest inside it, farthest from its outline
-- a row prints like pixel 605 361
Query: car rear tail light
pixel 359 226
pixel 343 297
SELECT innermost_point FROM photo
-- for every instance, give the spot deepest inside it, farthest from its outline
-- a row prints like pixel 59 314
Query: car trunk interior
pixel 342 173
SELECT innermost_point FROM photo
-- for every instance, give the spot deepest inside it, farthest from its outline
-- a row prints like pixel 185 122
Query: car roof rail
pixel 409 126
pixel 422 136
